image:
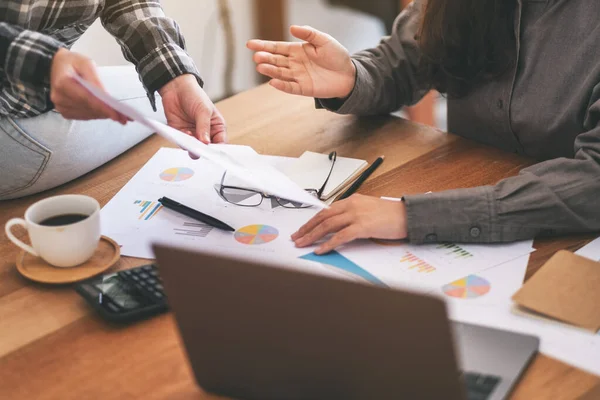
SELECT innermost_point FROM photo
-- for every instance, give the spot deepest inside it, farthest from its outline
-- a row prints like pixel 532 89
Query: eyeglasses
pixel 252 198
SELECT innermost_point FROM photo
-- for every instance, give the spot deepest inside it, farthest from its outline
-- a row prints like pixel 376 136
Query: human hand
pixel 71 99
pixel 189 109
pixel 356 217
pixel 319 67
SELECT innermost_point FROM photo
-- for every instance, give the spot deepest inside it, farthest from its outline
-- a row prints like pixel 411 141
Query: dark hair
pixel 465 42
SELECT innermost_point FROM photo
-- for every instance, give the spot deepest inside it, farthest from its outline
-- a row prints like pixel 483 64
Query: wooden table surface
pixel 52 346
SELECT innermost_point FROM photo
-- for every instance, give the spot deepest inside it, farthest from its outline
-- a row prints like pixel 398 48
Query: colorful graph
pixel 455 250
pixel 148 209
pixel 469 287
pixel 256 234
pixel 176 174
pixel 413 262
pixel 194 229
pixel 337 260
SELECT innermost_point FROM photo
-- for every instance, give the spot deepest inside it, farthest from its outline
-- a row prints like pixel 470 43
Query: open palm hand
pixel 319 67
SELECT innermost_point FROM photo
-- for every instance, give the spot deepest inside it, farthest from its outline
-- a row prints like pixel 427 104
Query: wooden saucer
pixel 36 269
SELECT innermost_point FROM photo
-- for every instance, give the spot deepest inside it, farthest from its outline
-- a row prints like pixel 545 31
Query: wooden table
pixel 52 346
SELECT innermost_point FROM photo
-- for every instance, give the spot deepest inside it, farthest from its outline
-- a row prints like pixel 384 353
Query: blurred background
pixel 216 32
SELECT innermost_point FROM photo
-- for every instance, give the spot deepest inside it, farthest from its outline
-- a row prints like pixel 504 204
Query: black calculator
pixel 127 295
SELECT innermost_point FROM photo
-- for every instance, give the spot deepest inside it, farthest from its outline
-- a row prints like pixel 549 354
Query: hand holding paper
pixel 258 174
pixel 73 101
pixel 189 109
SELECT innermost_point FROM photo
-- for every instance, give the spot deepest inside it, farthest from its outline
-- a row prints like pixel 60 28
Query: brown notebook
pixel 566 288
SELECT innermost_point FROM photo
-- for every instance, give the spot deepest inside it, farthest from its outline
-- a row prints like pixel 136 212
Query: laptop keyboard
pixel 479 386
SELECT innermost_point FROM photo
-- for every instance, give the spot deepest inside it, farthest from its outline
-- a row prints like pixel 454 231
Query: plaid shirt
pixel 32 31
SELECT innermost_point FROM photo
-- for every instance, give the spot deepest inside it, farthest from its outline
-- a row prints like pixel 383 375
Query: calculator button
pixel 112 307
pixel 147 267
pixel 144 275
pixel 135 278
pixel 127 272
pixel 158 286
pixel 152 281
pixel 143 283
pixel 153 273
pixel 158 295
pixel 89 289
pixel 142 289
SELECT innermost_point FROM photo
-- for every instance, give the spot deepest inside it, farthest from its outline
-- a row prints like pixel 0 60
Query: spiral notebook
pixel 310 170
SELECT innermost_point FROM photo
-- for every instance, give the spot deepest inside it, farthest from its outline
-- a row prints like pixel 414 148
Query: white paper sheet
pixel 564 342
pixel 431 266
pixel 591 250
pixel 252 170
pixel 503 281
pixel 135 219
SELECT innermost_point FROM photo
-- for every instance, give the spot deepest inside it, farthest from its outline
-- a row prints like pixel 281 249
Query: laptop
pixel 259 330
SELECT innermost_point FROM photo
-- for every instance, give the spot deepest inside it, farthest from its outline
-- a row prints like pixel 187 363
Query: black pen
pixel 363 177
pixel 197 215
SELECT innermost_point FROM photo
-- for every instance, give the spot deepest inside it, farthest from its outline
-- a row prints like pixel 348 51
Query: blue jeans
pixel 46 151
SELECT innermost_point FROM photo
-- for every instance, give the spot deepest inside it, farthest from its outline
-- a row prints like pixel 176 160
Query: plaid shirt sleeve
pixel 25 63
pixel 150 40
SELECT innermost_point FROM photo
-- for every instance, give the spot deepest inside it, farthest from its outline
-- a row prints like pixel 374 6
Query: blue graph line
pixel 337 260
pixel 145 206
pixel 151 213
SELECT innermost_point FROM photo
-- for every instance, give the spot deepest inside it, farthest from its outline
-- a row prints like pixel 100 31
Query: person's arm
pixel 25 62
pixel 149 40
pixel 554 197
pixel 386 76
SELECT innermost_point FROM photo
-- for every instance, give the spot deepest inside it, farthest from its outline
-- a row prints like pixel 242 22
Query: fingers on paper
pixel 344 236
pixel 202 128
pixel 330 225
pixel 315 221
pixel 218 128
pixel 88 71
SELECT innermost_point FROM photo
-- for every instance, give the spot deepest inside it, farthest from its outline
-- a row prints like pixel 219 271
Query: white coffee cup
pixel 65 245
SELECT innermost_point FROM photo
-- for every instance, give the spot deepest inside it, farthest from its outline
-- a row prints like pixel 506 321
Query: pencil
pixel 363 177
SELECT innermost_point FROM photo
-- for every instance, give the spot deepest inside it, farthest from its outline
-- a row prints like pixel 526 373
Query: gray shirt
pixel 546 106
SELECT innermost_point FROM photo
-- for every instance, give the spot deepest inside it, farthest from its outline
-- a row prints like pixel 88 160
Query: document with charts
pixel 430 267
pixel 135 218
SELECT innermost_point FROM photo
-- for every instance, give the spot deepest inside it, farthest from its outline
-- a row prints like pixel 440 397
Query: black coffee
pixel 64 219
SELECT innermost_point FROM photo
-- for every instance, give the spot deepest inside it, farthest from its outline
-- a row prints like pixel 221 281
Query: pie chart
pixel 176 174
pixel 256 234
pixel 469 287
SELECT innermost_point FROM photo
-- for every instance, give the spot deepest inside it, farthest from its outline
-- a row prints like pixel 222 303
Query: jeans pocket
pixel 22 158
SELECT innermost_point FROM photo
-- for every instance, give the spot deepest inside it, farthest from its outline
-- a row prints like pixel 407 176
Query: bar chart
pixel 414 263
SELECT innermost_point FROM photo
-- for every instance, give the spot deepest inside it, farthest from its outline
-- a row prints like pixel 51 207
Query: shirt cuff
pixel 462 215
pixel 29 59
pixel 163 65
pixel 352 103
